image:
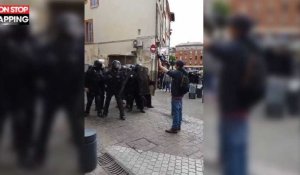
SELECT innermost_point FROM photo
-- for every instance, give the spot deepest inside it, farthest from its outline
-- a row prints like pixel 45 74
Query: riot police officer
pixel 18 95
pixel 60 70
pixel 114 79
pixel 124 70
pixel 131 91
pixel 143 84
pixel 94 84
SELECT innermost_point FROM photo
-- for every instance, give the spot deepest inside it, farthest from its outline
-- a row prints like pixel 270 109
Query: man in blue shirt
pixel 177 94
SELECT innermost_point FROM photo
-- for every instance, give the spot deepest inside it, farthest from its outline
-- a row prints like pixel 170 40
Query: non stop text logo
pixel 14 14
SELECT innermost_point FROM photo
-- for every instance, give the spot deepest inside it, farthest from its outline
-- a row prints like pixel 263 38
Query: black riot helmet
pixel 131 67
pixel 116 65
pixel 98 64
pixel 124 67
pixel 137 67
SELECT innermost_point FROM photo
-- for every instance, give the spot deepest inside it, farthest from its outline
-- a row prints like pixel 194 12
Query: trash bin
pixel 293 97
pixel 199 91
pixel 293 103
pixel 192 91
pixel 89 162
pixel 275 97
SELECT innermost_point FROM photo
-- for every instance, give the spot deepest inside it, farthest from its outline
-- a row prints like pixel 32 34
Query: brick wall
pixel 190 55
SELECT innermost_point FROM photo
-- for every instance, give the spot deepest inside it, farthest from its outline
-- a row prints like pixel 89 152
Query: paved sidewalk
pixel 138 162
pixel 146 132
pixel 98 171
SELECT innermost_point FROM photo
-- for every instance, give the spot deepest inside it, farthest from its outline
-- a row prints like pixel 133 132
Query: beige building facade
pixel 125 30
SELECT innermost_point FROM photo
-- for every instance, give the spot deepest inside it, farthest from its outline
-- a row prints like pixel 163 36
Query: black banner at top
pixel 14 19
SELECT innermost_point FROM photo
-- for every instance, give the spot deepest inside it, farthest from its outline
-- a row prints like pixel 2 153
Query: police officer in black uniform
pixel 131 90
pixel 143 84
pixel 94 84
pixel 18 72
pixel 114 79
pixel 60 68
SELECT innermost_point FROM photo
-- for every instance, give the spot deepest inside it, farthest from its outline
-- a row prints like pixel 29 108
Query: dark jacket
pixel 94 80
pixel 233 57
pixel 114 81
pixel 143 81
pixel 131 84
pixel 177 77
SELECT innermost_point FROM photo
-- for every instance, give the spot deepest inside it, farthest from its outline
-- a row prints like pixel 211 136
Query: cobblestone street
pixel 145 132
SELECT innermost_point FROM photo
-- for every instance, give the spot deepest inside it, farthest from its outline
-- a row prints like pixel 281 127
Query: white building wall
pixel 115 27
pixel 120 19
pixel 116 24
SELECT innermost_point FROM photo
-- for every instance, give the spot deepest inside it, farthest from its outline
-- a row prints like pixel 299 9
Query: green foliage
pixel 172 58
pixel 221 8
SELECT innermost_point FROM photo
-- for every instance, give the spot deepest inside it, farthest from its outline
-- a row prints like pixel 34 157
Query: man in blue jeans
pixel 237 96
pixel 176 94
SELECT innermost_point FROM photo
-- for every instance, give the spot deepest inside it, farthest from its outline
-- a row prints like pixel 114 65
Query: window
pixel 88 29
pixel 94 3
pixel 196 57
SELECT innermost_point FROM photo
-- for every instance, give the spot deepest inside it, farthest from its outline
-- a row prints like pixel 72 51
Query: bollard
pixel 89 162
pixel 293 103
pixel 192 91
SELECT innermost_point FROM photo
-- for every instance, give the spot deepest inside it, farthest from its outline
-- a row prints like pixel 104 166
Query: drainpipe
pixel 155 60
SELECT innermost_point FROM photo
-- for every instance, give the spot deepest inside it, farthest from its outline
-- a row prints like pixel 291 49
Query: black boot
pixel 122 117
pixel 172 131
pixel 105 112
pixel 100 114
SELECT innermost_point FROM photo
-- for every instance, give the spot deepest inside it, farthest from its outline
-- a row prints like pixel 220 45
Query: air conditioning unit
pixel 137 43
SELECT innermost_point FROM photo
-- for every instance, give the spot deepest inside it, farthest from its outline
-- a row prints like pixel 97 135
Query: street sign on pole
pixel 153 48
pixel 152 56
pixel 163 51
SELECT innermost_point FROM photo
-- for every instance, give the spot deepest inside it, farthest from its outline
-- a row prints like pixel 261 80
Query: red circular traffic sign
pixel 153 48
